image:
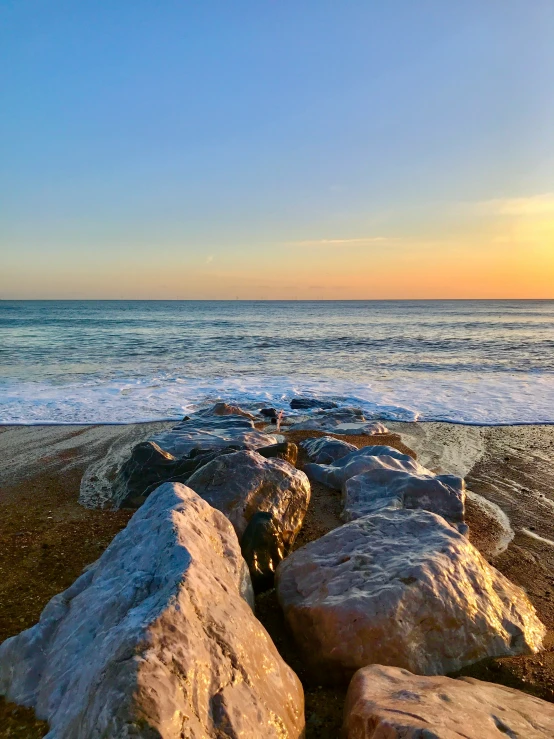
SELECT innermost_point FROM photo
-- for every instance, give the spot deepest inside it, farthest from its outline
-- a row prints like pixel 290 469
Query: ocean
pixel 478 362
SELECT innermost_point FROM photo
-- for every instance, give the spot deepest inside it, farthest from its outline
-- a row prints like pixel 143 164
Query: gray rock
pixel 224 409
pixel 365 428
pixel 241 484
pixel 209 432
pixel 389 488
pixel 156 640
pixel 307 403
pixel 149 466
pixel 362 460
pixel 326 449
pixel 392 703
pixel 402 588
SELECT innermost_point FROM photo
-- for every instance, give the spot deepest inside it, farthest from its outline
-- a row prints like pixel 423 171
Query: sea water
pixel 481 362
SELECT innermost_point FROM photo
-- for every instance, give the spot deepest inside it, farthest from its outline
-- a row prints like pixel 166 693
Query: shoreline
pixel 47 537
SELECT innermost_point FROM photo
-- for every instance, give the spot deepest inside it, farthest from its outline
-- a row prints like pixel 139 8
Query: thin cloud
pixel 339 242
pixel 535 205
pixel 210 259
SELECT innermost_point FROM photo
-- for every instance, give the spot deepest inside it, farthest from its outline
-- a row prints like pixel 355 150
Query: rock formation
pixel 393 703
pixel 326 449
pixel 377 489
pixel 362 460
pixel 402 588
pixel 156 639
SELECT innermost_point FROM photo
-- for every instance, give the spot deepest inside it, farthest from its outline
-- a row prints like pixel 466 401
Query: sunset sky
pixel 277 149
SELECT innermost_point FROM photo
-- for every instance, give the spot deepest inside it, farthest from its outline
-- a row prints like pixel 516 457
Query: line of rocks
pixel 158 637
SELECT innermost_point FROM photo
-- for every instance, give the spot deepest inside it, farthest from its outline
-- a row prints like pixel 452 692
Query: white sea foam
pixel 487 400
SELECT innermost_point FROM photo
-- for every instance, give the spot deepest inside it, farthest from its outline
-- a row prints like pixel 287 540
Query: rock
pixel 366 428
pixel 306 403
pixel 268 412
pixel 393 703
pixel 149 466
pixel 263 548
pixel 241 484
pixel 402 588
pixel 326 449
pixel 388 488
pixel 156 640
pixel 225 409
pixel 209 432
pixel 341 421
pixel 285 450
pixel 362 460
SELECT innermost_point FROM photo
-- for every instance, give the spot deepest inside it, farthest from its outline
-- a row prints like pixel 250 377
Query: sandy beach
pixel 48 537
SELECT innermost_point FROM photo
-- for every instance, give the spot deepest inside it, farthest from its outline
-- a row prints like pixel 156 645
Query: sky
pixel 279 149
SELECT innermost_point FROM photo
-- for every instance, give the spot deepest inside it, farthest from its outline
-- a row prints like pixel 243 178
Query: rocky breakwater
pixel 393 703
pixel 157 638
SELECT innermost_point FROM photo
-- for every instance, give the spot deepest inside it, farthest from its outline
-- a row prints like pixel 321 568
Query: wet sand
pixel 47 537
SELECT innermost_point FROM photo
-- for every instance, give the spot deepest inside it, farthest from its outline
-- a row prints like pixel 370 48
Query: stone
pixel 285 450
pixel 149 466
pixel 392 703
pixel 362 460
pixel 308 403
pixel 326 449
pixel 157 639
pixel 268 412
pixel 263 548
pixel 243 483
pixel 225 409
pixel 342 421
pixel 366 428
pixel 209 432
pixel 389 488
pixel 401 588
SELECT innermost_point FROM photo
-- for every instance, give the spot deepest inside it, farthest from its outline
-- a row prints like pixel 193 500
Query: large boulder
pixel 388 702
pixel 403 588
pixel 391 488
pixel 156 639
pixel 209 431
pixel 149 466
pixel 362 460
pixel 326 449
pixel 243 483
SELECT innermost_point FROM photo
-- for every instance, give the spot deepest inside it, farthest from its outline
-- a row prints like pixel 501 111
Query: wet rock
pixel 149 466
pixel 241 484
pixel 225 409
pixel 209 432
pixel 263 549
pixel 341 421
pixel 268 412
pixel 393 703
pixel 402 588
pixel 285 450
pixel 362 460
pixel 326 449
pixel 156 639
pixel 365 428
pixel 307 403
pixel 388 488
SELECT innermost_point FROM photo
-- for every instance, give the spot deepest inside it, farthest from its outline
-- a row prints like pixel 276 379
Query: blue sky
pixel 276 148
